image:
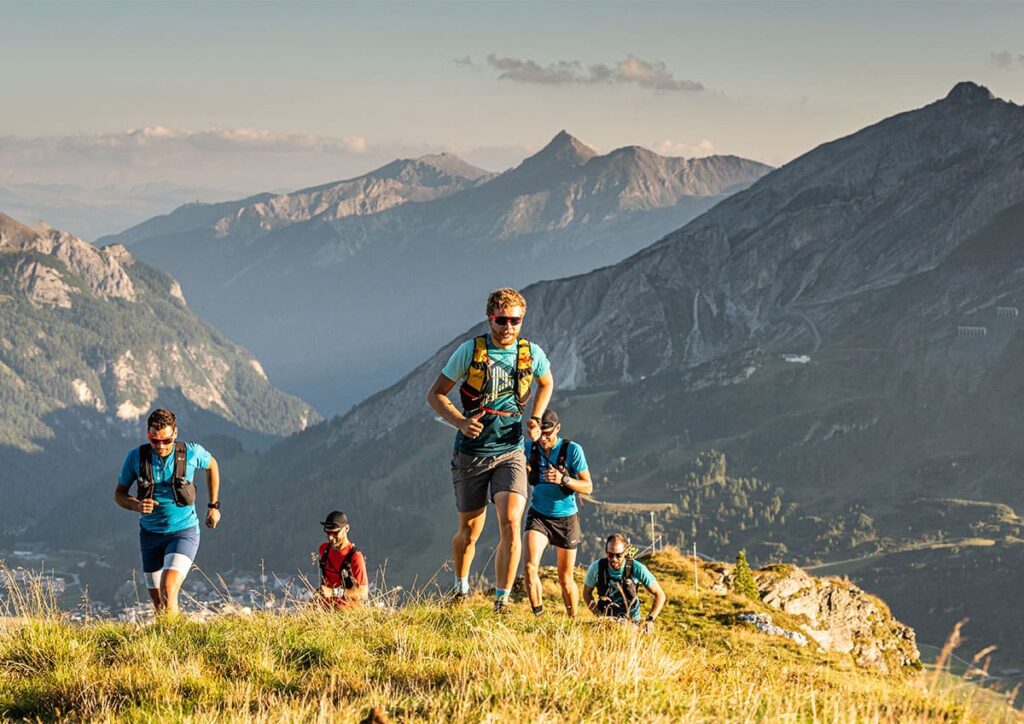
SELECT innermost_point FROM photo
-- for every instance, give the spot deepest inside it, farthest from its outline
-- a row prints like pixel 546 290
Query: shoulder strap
pixel 347 560
pixel 146 462
pixel 324 559
pixel 145 488
pixel 524 373
pixel 563 452
pixel 476 377
pixel 180 460
pixel 534 474
pixel 602 577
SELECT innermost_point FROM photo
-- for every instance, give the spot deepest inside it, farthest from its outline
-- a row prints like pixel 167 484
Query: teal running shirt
pixel 500 434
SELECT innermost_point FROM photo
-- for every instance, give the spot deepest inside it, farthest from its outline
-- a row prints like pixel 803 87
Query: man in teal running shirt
pixel 615 579
pixel 168 524
pixel 497 371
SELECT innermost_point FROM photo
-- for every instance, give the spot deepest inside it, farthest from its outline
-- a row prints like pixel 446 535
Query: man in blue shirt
pixel 497 370
pixel 615 579
pixel 557 470
pixel 165 498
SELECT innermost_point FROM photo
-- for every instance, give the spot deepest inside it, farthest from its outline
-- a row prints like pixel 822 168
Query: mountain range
pixel 821 368
pixel 340 289
pixel 90 341
pixel 96 212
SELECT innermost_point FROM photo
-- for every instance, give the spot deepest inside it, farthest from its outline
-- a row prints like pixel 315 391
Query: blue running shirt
pixel 548 498
pixel 166 517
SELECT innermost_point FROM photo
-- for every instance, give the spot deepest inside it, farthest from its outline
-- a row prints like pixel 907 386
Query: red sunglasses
pixel 160 440
pixel 502 321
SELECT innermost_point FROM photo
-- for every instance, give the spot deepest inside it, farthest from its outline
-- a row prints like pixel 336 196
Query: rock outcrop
pixel 838 616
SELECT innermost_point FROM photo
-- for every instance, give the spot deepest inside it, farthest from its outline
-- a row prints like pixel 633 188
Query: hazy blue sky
pixel 265 96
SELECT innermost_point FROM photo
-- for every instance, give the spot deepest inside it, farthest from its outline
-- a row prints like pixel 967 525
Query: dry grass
pixel 426 662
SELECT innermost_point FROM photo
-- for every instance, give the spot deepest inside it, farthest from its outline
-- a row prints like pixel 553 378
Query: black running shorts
pixel 561 532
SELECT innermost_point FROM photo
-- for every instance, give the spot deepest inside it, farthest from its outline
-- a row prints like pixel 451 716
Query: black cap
pixel 549 420
pixel 336 520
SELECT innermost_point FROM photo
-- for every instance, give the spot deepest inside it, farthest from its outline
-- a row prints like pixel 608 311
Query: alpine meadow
pixel 585 362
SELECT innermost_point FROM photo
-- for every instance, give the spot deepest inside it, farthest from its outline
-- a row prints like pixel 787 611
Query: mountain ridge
pixel 563 210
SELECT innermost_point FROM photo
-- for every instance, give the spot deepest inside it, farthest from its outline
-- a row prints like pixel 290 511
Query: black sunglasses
pixel 610 554
pixel 502 321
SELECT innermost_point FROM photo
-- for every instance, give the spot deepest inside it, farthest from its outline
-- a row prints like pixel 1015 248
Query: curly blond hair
pixel 505 297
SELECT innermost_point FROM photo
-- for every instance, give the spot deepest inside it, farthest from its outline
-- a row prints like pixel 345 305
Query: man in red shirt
pixel 343 581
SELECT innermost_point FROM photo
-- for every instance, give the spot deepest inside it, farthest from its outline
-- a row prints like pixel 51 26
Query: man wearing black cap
pixel 557 471
pixel 343 581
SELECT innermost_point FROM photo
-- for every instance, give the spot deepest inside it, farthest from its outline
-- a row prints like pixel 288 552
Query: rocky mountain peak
pixel 566 150
pixel 431 170
pixel 101 272
pixel 968 92
pixel 13 232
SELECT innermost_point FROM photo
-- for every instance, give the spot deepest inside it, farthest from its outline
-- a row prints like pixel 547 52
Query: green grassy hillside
pixel 427 662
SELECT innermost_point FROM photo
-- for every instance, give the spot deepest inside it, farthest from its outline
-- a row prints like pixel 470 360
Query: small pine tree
pixel 742 578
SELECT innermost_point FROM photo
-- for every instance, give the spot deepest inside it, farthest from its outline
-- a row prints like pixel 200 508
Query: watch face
pixel 565 479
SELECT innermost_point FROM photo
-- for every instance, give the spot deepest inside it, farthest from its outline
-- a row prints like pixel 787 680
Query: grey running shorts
pixel 473 477
pixel 561 532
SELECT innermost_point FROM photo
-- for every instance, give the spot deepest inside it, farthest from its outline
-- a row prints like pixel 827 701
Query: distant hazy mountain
pixel 339 289
pixel 90 341
pixel 890 263
pixel 95 212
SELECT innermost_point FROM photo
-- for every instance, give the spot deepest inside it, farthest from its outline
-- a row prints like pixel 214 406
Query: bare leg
pixel 156 598
pixel 471 525
pixel 510 508
pixel 570 591
pixel 170 584
pixel 536 542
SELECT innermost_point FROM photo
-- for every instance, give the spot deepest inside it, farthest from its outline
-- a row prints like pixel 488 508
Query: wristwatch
pixel 534 417
pixel 650 618
pixel 565 479
pixel 214 506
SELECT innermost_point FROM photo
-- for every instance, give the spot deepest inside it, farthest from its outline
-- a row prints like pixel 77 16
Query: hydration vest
pixel 183 490
pixel 533 477
pixel 344 571
pixel 626 586
pixel 475 386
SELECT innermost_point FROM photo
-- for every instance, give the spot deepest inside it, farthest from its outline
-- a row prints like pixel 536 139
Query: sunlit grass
pixel 430 662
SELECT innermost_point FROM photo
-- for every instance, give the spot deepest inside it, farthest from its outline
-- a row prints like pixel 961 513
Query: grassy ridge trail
pixel 427 662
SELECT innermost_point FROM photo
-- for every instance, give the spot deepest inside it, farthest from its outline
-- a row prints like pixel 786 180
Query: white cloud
pixel 632 70
pixel 667 147
pixel 228 157
pixel 246 159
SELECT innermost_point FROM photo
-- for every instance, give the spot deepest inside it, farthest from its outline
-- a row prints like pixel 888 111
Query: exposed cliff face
pixel 101 271
pixel 272 265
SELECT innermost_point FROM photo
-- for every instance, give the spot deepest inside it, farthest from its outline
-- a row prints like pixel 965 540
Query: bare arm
pixel 588 597
pixel 581 483
pixel 130 502
pixel 659 599
pixel 213 487
pixel 545 388
pixel 437 398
